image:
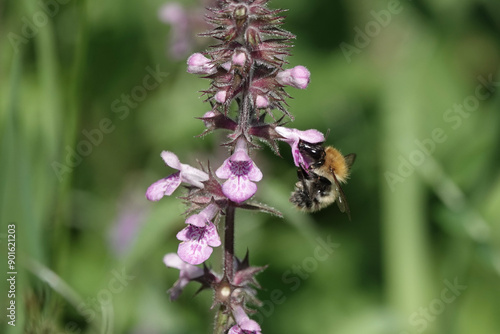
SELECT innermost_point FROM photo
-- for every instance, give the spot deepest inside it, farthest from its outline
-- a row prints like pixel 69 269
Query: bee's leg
pixel 301 196
pixel 302 174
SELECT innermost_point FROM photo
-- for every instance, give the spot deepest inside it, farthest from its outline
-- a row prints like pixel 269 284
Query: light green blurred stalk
pixel 37 129
pixel 406 255
pixel 9 189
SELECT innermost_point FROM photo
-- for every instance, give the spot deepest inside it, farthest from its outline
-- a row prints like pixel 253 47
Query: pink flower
pixel 244 325
pixel 187 273
pixel 239 59
pixel 293 136
pixel 221 96
pixel 204 217
pixel 261 101
pixel 199 64
pixel 240 171
pixel 175 15
pixel 166 186
pixel 297 77
pixel 197 243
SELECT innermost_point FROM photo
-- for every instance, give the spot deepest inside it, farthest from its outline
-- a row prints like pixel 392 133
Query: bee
pixel 319 184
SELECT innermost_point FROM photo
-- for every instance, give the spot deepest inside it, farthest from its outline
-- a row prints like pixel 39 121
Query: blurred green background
pixel 412 87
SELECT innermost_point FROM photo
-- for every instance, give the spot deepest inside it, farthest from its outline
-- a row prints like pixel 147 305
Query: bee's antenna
pixel 327 134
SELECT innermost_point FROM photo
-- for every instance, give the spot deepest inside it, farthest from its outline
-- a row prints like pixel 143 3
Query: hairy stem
pixel 221 320
pixel 229 243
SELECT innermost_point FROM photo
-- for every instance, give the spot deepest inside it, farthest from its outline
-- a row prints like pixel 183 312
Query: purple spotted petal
pixel 211 235
pixel 239 189
pixel 197 243
pixel 163 187
pixel 240 164
pixel 224 171
pixel 240 171
pixel 255 174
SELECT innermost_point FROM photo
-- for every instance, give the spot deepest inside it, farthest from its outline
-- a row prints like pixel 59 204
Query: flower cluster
pixel 246 72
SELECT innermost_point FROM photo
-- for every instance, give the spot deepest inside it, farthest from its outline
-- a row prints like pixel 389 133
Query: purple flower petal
pixel 187 270
pixel 171 159
pixel 239 59
pixel 197 243
pixel 186 173
pixel 293 136
pixel 163 187
pixel 297 77
pixel 194 252
pixel 235 330
pixel 261 101
pixel 221 96
pixel 224 171
pixel 240 171
pixel 204 217
pixel 239 189
pixel 244 322
pixel 199 64
pixel 255 174
pixel 189 174
pixel 187 273
pixel 193 176
pixel 212 237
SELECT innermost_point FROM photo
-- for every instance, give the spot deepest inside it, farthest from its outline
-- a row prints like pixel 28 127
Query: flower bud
pixel 261 101
pixel 220 96
pixel 199 64
pixel 239 59
pixel 297 77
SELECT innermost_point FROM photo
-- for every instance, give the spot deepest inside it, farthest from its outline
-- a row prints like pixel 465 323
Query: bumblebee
pixel 319 184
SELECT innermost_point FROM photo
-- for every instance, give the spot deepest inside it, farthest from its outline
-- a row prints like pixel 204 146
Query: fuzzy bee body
pixel 319 184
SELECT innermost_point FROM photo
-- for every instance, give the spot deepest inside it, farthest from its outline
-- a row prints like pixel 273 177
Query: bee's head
pixel 313 154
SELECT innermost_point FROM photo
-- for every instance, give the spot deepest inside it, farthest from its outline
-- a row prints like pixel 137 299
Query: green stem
pixel 221 320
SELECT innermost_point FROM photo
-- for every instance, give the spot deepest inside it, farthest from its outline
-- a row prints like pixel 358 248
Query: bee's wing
pixel 349 159
pixel 341 200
